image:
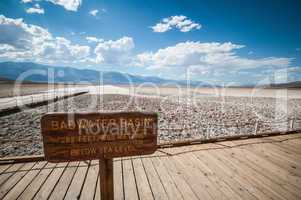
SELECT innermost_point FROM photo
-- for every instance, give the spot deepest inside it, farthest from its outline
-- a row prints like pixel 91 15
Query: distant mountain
pixel 13 70
pixel 296 84
pixel 5 80
pixel 10 71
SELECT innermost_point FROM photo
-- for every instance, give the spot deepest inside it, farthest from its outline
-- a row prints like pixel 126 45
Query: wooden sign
pixel 87 136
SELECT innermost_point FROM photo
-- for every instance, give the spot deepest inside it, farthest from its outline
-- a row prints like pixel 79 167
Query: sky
pixel 229 42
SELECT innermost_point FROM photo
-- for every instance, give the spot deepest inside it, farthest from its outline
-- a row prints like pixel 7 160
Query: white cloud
pixel 36 9
pixel 122 44
pixel 161 28
pixel 61 49
pixel 6 47
pixel 26 1
pixel 179 21
pixel 294 69
pixel 22 41
pixel 16 33
pixel 93 12
pixel 114 52
pixel 204 57
pixel 91 39
pixel 183 54
pixel 71 5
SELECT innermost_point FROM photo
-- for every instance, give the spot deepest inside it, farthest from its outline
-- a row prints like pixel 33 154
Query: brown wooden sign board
pixel 87 136
pixel 103 136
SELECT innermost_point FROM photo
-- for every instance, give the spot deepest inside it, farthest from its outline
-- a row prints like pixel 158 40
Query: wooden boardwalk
pixel 264 168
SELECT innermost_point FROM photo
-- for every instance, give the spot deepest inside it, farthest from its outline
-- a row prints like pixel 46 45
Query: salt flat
pixel 206 117
pixel 200 115
pixel 239 92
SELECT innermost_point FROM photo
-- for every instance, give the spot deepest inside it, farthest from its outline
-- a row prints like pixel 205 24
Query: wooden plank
pixel 282 139
pixel 269 176
pixel 268 169
pixel 14 168
pixel 267 152
pixel 265 185
pixel 171 189
pixel 296 141
pixel 291 146
pixel 75 188
pixel 143 186
pixel 216 180
pixel 4 175
pixel 193 177
pixel 238 183
pixel 286 136
pixel 262 190
pixel 271 173
pixel 286 155
pixel 192 166
pixel 243 142
pixel 22 159
pixel 157 187
pixel 287 165
pixel 249 184
pixel 51 181
pixel 37 183
pixel 90 182
pixel 186 149
pixel 97 193
pixel 15 178
pixel 253 171
pixel 9 172
pixel 3 168
pixel 288 146
pixel 62 186
pixel 129 182
pixel 216 189
pixel 178 178
pixel 118 180
pixel 97 190
pixel 25 181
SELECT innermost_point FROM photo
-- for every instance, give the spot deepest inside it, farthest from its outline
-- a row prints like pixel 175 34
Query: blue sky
pixel 236 42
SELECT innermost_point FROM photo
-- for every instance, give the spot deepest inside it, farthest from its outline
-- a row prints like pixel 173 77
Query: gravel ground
pixel 179 119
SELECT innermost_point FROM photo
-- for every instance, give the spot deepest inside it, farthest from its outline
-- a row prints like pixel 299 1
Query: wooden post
pixel 106 179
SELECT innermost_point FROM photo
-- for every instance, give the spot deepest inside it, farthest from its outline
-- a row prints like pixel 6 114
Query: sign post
pixel 103 136
pixel 106 179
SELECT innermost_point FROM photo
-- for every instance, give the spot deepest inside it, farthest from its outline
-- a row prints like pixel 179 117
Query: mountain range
pixel 11 71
